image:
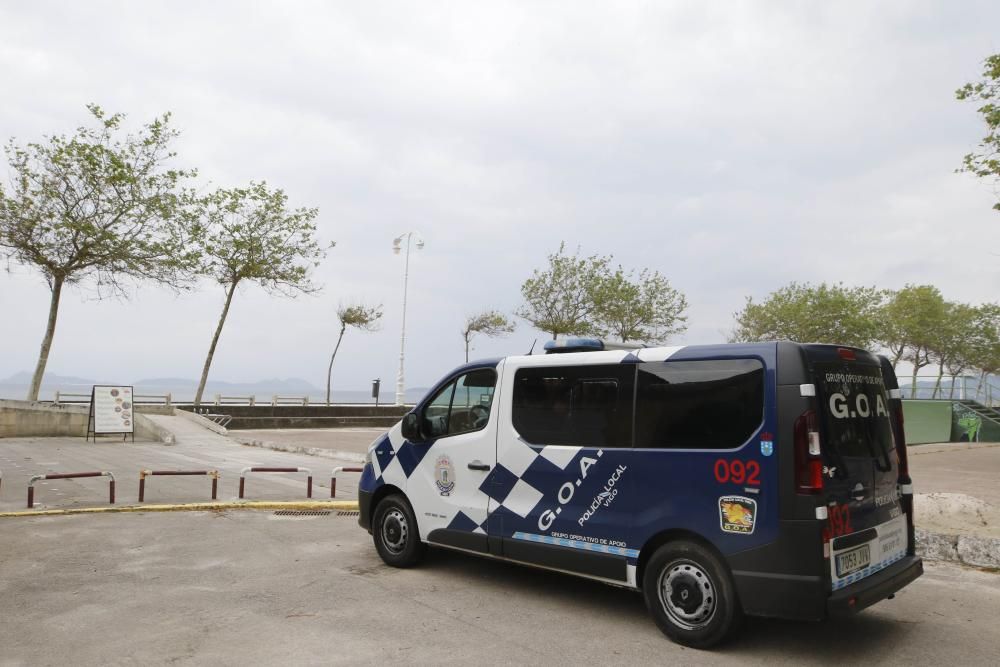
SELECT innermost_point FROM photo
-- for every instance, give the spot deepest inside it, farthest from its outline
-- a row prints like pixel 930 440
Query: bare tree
pixel 358 316
pixel 250 235
pixel 98 205
pixel 490 323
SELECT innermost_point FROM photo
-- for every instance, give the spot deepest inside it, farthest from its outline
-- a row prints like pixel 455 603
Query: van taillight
pixel 904 466
pixel 808 455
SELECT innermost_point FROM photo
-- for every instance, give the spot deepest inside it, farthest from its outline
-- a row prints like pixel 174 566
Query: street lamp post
pixel 397 248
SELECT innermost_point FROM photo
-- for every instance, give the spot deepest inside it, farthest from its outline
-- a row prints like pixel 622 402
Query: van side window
pixel 583 406
pixel 715 404
pixel 463 405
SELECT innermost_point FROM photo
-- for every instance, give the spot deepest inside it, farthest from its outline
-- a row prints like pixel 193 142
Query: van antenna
pixel 532 346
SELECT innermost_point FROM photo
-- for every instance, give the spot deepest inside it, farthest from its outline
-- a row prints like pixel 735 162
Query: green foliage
pixel 560 299
pixel 101 204
pixel 913 319
pixel 360 316
pixel 643 309
pixel 806 313
pixel 490 323
pixel 249 234
pixel 985 160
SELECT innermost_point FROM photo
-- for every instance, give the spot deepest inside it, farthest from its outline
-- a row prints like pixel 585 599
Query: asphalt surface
pixel 957 467
pixel 253 588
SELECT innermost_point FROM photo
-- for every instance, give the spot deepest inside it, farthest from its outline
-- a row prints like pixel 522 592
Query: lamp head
pixel 420 244
pixel 395 245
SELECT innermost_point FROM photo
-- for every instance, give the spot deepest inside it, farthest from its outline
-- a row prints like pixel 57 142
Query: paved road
pixel 971 468
pixel 252 588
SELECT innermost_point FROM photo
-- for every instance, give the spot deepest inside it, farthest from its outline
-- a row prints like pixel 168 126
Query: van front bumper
pixel 875 588
pixel 365 507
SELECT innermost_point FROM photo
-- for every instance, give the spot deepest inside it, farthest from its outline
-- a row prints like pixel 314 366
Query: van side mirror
pixel 411 426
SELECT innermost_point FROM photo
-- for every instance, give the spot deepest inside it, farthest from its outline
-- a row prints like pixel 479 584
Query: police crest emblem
pixel 444 475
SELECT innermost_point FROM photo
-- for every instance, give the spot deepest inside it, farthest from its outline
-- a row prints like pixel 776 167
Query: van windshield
pixel 855 409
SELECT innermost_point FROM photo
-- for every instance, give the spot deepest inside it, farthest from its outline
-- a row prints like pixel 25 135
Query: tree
pixel 985 348
pixel 806 313
pixel 647 309
pixel 984 162
pixel 560 299
pixel 248 235
pixel 364 318
pixel 912 321
pixel 952 345
pixel 99 205
pixel 490 323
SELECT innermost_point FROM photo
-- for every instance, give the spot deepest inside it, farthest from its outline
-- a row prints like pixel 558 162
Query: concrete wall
pixel 27 419
pixel 304 416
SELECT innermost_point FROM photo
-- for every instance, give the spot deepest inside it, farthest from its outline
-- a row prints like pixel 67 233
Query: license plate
pixel 854 560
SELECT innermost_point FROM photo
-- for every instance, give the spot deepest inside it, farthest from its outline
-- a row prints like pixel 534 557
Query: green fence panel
pixel 927 421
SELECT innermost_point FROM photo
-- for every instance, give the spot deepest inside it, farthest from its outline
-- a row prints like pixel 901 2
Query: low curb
pixel 343 505
pixel 970 550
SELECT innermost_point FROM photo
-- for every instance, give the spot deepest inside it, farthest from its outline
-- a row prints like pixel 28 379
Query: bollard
pixel 309 479
pixel 333 477
pixel 69 475
pixel 143 474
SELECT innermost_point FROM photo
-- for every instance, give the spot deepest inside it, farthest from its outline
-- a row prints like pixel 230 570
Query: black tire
pixel 691 595
pixel 394 530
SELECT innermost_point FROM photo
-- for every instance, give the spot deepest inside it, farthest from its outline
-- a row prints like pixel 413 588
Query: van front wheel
pixel 690 594
pixel 395 532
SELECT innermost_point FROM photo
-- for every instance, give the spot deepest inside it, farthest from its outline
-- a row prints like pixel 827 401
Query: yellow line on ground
pixel 343 505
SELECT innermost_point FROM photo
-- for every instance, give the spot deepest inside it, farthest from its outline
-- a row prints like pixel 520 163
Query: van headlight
pixel 368 457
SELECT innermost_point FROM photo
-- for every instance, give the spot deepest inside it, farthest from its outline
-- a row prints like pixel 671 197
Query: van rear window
pixel 855 409
pixel 712 404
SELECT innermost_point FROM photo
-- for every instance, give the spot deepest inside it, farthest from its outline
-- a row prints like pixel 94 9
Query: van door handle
pixel 476 465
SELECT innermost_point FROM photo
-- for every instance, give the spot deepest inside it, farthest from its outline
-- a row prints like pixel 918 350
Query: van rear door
pixel 865 525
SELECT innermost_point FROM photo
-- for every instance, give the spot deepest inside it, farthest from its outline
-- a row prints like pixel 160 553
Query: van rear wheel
pixel 691 596
pixel 395 532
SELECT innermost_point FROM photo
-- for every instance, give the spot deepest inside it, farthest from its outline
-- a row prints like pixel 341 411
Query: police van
pixel 765 479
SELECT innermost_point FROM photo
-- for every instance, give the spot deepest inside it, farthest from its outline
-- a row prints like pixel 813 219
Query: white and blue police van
pixel 765 479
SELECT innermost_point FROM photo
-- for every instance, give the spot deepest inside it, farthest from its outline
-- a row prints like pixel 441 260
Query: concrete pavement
pixel 237 588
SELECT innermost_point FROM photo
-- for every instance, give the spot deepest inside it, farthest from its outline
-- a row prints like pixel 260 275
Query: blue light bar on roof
pixel 573 345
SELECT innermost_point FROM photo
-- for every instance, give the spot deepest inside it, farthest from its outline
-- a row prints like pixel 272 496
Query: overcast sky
pixel 732 146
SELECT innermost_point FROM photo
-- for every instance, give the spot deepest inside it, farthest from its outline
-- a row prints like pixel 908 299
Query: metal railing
pixel 951 387
pixel 143 474
pixel 69 475
pixel 65 397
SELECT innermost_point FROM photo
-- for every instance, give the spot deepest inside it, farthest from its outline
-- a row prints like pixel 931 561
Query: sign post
pixel 112 412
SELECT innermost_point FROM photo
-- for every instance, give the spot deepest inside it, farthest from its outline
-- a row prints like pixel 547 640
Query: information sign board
pixel 112 410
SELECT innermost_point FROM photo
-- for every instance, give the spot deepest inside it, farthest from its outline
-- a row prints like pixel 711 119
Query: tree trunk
pixel 50 332
pixel 215 341
pixel 329 370
pixel 937 384
pixel 467 337
pixel 916 367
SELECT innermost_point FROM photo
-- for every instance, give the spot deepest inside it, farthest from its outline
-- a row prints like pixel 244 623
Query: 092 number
pixel 737 472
